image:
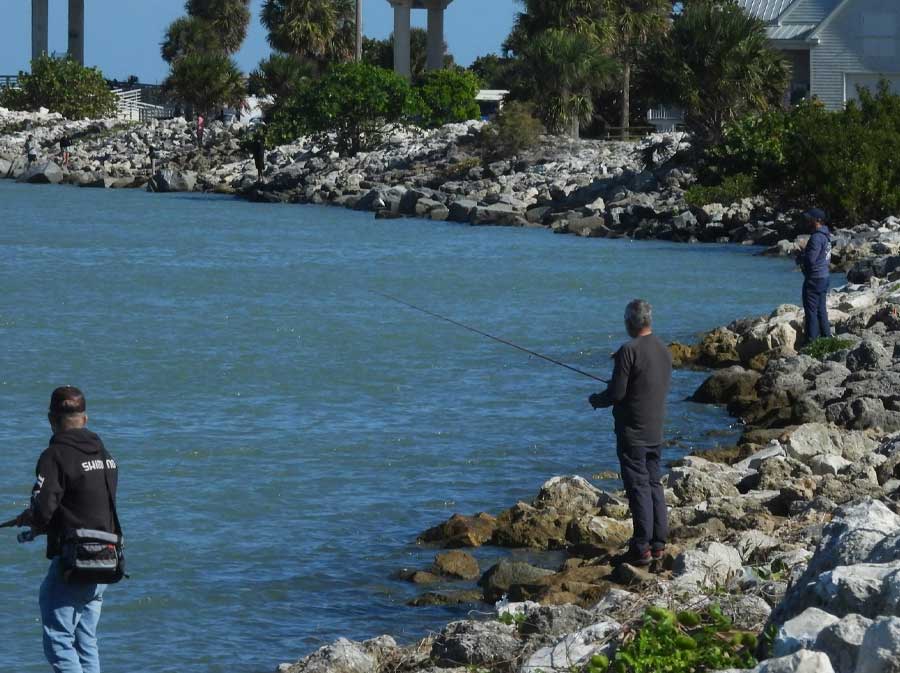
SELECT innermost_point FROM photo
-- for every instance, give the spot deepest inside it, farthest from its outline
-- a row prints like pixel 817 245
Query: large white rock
pixel 572 651
pixel 801 632
pixel 880 650
pixel 773 450
pixel 841 642
pixel 855 589
pixel 707 568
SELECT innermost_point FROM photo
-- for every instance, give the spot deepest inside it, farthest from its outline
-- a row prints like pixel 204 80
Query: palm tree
pixel 567 68
pixel 540 15
pixel 206 81
pixel 186 35
pixel 228 18
pixel 627 26
pixel 359 30
pixel 718 64
pixel 319 30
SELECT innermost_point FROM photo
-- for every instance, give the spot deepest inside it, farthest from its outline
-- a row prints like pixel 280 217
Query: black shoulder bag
pixel 94 556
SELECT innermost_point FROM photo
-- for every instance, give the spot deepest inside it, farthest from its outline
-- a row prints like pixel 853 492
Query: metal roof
pixel 767 10
pixel 791 31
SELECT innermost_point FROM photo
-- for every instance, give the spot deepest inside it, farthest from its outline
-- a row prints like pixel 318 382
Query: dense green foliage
pixel 493 71
pixel 683 643
pixel 64 86
pixel 448 96
pixel 206 81
pixel 567 69
pixel 321 31
pixel 844 161
pixel 349 109
pixel 381 53
pixel 847 160
pixel 279 75
pixel 197 47
pixel 732 188
pixel 717 63
pixel 822 347
pixel 211 26
pixel 513 131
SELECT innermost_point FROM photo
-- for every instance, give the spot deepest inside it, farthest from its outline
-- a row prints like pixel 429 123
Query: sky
pixel 122 36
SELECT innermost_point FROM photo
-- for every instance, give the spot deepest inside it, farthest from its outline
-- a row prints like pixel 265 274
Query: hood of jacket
pixel 80 439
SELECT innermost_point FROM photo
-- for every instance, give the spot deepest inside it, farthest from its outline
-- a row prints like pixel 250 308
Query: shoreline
pixel 819 436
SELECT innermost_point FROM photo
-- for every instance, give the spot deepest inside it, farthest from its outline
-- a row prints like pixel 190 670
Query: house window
pixel 879 34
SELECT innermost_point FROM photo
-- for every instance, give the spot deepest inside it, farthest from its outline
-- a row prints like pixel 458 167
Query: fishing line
pixel 489 336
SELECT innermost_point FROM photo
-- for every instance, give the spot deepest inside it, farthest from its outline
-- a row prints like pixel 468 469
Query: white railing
pixel 11 81
pixel 665 117
pixel 131 107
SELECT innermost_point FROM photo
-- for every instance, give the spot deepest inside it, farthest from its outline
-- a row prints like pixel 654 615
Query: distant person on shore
pixel 815 261
pixel 637 393
pixel 152 154
pixel 258 147
pixel 64 145
pixel 73 498
pixel 201 126
pixel 31 150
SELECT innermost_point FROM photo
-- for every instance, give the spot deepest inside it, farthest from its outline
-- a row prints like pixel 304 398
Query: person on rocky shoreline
pixel 75 490
pixel 637 393
pixel 815 261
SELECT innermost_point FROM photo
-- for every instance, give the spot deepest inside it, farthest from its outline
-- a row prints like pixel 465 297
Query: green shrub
pixel 448 96
pixel 64 86
pixel 688 642
pixel 513 131
pixel 847 160
pixel 754 144
pixel 733 188
pixel 349 109
pixel 822 347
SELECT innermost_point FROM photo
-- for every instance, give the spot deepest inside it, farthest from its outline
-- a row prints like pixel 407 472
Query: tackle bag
pixel 94 556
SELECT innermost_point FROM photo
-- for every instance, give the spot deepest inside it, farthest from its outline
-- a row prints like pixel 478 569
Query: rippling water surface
pixel 283 433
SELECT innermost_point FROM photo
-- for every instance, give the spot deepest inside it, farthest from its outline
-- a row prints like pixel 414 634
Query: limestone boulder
pixel 470 643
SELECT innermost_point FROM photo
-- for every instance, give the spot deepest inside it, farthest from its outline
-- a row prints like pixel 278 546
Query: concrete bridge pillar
pixel 436 36
pixel 76 30
pixel 402 12
pixel 39 29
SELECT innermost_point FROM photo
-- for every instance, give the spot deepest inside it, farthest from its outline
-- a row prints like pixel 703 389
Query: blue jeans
pixel 69 613
pixel 815 294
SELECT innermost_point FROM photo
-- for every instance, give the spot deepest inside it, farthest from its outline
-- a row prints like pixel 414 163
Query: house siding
pixel 841 51
pixel 809 11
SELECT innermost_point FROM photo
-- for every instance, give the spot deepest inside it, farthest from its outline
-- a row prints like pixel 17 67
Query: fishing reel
pixel 25 536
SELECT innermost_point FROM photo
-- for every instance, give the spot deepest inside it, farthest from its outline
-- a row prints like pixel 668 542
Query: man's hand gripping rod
pixel 24 536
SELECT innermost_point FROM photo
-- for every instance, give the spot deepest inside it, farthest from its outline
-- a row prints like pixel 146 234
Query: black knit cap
pixel 67 400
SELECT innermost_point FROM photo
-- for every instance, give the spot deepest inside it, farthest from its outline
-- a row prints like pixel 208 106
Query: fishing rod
pixel 9 524
pixel 489 336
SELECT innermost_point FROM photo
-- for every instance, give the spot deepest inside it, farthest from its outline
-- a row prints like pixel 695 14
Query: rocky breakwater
pixel 742 539
pixel 111 153
pixel 587 188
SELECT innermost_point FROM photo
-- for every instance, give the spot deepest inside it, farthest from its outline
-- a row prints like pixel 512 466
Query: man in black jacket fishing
pixel 75 489
pixel 637 394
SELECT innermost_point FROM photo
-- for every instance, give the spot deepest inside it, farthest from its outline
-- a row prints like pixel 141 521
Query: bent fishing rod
pixel 489 336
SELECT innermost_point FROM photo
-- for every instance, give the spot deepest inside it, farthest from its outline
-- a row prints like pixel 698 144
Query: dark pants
pixel 641 474
pixel 815 293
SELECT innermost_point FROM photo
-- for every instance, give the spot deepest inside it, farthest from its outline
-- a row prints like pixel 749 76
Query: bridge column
pixel 436 36
pixel 39 29
pixel 76 30
pixel 402 11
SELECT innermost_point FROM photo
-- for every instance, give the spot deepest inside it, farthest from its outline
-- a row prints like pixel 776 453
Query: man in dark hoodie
pixel 815 260
pixel 75 488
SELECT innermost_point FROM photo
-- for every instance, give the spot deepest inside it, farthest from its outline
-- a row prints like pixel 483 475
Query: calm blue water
pixel 283 434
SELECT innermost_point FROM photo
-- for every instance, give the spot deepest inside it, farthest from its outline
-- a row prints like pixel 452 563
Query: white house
pixel 834 46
